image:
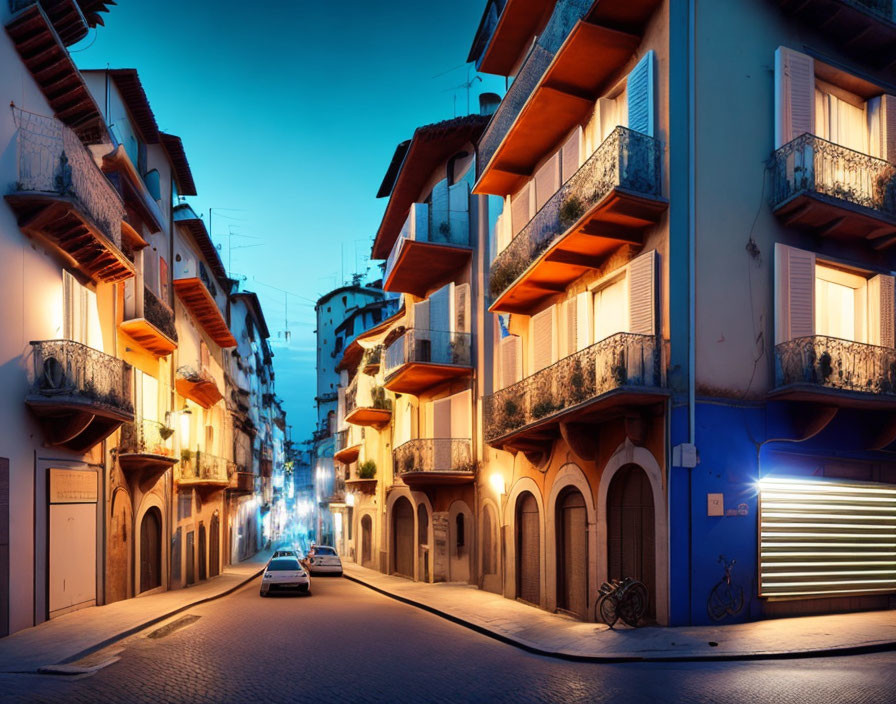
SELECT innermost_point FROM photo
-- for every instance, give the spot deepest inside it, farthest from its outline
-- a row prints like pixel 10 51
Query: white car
pixel 285 574
pixel 322 559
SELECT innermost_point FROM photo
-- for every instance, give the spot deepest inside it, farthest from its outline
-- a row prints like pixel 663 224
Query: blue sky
pixel 290 112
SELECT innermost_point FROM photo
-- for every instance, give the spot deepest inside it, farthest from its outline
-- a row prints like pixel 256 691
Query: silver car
pixel 284 575
pixel 322 559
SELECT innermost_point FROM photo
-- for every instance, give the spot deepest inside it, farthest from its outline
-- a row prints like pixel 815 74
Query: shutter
pixel 888 128
pixel 547 180
pixel 794 293
pixel 642 294
pixel 881 311
pixel 441 418
pixel 501 238
pixel 440 305
pixel 639 87
pixel 794 95
pixel 519 208
pixel 462 308
pixel 571 322
pixel 583 320
pixel 511 360
pixel 438 210
pixel 421 316
pixel 542 339
pixel 571 154
pixel 460 415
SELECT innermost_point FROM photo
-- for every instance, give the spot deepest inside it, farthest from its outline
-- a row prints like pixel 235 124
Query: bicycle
pixel 725 599
pixel 626 599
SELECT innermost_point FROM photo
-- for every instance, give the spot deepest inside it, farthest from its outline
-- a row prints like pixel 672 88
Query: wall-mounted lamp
pixel 497 482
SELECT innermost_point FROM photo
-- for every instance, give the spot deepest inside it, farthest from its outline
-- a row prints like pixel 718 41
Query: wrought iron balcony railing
pixel 369 396
pixel 810 164
pixel 52 160
pixel 370 362
pixel 159 314
pixel 67 370
pixel 450 455
pixel 429 347
pixel 197 466
pixel 146 437
pixel 621 360
pixel 347 438
pixel 626 159
pixel 833 363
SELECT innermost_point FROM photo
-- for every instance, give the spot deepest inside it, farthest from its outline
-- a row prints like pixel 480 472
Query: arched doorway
pixel 489 549
pixel 119 548
pixel 422 543
pixel 528 549
pixel 203 571
pixel 151 550
pixel 572 553
pixel 403 538
pixel 366 539
pixel 214 546
pixel 631 548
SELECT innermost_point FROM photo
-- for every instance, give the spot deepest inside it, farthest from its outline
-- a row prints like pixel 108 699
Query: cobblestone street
pixel 348 643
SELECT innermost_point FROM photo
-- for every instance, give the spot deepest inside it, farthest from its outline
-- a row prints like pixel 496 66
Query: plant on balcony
pixel 408 463
pixel 544 408
pixel 571 209
pixel 577 390
pixel 502 275
pixel 367 469
pixel 459 350
pixel 378 398
pixel 165 432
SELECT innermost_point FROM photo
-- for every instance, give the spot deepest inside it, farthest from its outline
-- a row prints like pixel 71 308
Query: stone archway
pixel 511 549
pixel 631 550
pixel 527 539
pixel 151 550
pixel 403 538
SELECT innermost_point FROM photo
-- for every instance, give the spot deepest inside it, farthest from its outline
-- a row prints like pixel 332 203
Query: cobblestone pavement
pixel 348 643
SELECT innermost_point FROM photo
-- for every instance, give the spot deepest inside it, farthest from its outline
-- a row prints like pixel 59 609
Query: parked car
pixel 286 552
pixel 322 559
pixel 285 574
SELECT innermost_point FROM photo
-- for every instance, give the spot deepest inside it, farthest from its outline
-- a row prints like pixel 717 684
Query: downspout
pixel 692 285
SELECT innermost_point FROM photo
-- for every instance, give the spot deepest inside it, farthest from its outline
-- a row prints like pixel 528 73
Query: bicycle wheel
pixel 719 601
pixel 634 604
pixel 607 608
pixel 736 599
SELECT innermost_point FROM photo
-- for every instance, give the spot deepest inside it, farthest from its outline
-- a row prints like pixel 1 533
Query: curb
pixel 60 669
pixel 615 659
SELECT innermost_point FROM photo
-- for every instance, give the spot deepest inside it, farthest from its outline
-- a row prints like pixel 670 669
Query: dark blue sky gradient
pixel 289 113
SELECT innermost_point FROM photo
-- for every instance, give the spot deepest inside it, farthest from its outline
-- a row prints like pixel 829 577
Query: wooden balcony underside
pixel 370 417
pixel 827 216
pixel 199 301
pixel 440 478
pixel 616 220
pixel 827 396
pixel 205 392
pixel 421 266
pixel 145 468
pixel 148 336
pixel 347 455
pixel 242 483
pixel 63 224
pixel 76 423
pixel 416 377
pixel 365 486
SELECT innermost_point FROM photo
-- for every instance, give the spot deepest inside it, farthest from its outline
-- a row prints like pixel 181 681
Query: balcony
pixel 367 405
pixel 154 331
pixel 833 191
pixel 144 451
pixel 347 446
pixel 197 385
pixel 370 362
pixel 241 481
pixel 192 287
pixel 835 372
pixel 435 461
pixel 63 199
pixel 203 471
pixel 79 395
pixel 613 196
pixel 863 29
pixel 421 359
pixel 602 381
pixel 432 245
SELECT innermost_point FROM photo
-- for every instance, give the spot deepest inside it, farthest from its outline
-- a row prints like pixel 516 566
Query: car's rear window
pixel 284 553
pixel 283 564
pixel 324 551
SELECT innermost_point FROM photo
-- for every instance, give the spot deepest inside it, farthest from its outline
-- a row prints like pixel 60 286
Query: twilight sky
pixel 289 111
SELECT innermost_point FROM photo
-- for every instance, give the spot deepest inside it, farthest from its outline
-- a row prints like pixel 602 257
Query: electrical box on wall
pixel 715 504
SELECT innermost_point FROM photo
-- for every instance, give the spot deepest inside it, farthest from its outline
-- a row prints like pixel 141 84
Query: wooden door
pixel 191 559
pixel 630 529
pixel 528 550
pixel 403 538
pixel 366 531
pixel 203 571
pixel 214 547
pixel 572 553
pixel 422 543
pixel 151 550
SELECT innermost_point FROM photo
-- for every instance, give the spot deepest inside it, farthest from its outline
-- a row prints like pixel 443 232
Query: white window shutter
pixel 794 293
pixel 571 322
pixel 881 308
pixel 511 360
pixel 462 308
pixel 501 238
pixel 441 418
pixel 547 180
pixel 794 95
pixel 583 320
pixel 421 315
pixel 519 208
pixel 640 89
pixel 461 426
pixel 571 154
pixel 441 304
pixel 642 294
pixel 543 339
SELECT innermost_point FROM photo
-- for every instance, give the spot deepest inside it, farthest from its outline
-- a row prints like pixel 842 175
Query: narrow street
pixel 348 643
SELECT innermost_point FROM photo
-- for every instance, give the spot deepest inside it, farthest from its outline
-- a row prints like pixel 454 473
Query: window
pixel 840 117
pixel 840 304
pixel 610 309
pixel 81 313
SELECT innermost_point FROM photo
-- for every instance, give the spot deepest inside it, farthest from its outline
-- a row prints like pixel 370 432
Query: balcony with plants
pixel 600 381
pixel 434 242
pixel 145 450
pixel 607 203
pixel 61 197
pixel 152 328
pixel 421 359
pixel 79 395
pixel 348 444
pixel 363 478
pixel 203 470
pixel 371 360
pixel 834 191
pixel 366 403
pixel 435 461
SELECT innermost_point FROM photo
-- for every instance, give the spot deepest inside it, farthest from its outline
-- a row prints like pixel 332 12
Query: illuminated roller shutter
pixel 822 537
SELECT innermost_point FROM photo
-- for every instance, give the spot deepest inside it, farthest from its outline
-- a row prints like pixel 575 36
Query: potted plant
pixel 367 469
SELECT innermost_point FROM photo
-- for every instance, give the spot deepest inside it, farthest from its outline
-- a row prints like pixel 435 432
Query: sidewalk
pixel 560 636
pixel 79 633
